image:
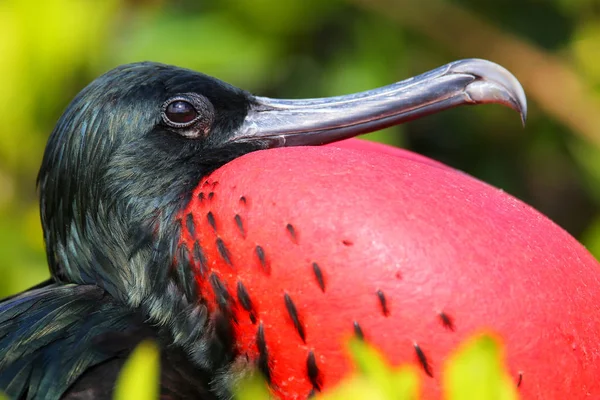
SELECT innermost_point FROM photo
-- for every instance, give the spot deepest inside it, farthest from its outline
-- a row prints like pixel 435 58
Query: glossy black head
pixel 122 160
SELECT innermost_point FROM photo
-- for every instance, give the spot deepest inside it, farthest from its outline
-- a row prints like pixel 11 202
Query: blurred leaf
pixel 139 378
pixel 591 237
pixel 578 8
pixel 588 160
pixel 476 372
pixel 379 376
pixel 21 265
pixel 254 388
pixel 586 49
pixel 7 190
pixel 361 388
pixel 212 43
pixel 45 43
pixel 32 229
pixel 279 17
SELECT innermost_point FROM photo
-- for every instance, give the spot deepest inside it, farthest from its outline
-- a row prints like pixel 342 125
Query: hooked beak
pixel 312 122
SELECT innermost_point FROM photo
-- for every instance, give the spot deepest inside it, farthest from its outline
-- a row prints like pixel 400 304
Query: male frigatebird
pixel 173 209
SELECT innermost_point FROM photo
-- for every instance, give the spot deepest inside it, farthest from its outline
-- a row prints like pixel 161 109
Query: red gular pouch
pixel 306 247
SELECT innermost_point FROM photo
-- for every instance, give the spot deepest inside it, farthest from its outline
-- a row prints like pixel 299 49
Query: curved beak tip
pixel 493 84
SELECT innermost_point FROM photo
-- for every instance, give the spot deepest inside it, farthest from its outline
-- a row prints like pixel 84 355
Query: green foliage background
pixel 307 48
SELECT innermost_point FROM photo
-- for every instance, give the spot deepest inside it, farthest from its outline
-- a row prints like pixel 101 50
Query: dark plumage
pixel 71 341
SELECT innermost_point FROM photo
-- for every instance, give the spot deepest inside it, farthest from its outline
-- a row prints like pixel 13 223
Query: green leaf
pixel 254 388
pixel 378 376
pixel 476 372
pixel 139 378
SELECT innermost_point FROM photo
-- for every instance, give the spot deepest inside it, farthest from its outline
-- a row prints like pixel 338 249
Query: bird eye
pixel 180 113
pixel 191 114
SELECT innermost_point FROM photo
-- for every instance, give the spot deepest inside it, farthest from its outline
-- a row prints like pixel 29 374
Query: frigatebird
pixel 145 240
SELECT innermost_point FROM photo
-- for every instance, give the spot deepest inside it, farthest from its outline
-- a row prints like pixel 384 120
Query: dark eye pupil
pixel 181 112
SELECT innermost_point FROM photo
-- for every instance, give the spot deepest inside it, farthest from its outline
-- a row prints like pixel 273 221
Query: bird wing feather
pixel 50 336
pixel 67 341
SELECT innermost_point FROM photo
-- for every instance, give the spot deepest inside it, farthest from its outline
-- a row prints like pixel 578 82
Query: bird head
pixel 123 159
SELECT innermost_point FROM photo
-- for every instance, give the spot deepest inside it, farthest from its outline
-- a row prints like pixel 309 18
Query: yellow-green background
pixel 305 48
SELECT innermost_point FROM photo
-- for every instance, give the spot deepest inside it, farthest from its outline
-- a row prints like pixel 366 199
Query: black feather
pixel 47 337
pixel 70 341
